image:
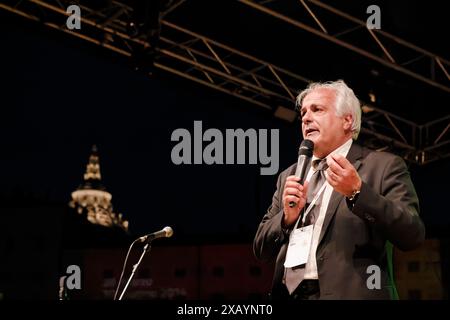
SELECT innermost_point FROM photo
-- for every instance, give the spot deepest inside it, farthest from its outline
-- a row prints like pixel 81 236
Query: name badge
pixel 299 246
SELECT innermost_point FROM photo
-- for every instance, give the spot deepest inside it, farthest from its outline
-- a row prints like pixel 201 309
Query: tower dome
pixel 92 200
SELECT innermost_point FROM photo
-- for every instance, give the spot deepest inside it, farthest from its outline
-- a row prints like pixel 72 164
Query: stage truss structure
pixel 211 63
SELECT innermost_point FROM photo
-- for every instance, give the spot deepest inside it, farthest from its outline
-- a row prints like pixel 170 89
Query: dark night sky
pixel 60 96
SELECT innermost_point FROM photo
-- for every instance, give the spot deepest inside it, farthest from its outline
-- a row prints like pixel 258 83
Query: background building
pixel 92 200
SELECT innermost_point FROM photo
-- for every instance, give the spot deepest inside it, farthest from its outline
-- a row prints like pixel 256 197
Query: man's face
pixel 321 125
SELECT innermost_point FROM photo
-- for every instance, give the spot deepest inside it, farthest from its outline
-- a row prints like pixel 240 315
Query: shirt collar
pixel 342 150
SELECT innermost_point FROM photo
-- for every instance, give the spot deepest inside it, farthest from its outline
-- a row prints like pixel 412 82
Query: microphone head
pixel 168 231
pixel 306 148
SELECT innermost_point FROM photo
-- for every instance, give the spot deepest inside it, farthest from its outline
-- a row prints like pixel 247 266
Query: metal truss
pixel 435 140
pixel 408 59
pixel 420 144
pixel 203 60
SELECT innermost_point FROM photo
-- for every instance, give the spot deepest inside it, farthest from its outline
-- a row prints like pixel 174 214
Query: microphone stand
pixel 147 247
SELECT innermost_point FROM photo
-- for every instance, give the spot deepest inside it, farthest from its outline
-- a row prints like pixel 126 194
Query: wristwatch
pixel 354 196
pixel 352 199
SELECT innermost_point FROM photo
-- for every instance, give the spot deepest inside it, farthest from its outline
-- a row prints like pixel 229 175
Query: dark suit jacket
pixel 351 239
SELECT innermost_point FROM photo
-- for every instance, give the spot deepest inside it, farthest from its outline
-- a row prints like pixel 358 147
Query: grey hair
pixel 346 101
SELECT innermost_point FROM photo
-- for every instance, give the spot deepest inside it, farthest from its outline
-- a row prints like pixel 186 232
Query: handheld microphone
pixel 166 232
pixel 304 158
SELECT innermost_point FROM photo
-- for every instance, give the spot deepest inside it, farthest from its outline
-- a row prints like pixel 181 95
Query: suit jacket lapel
pixel 354 155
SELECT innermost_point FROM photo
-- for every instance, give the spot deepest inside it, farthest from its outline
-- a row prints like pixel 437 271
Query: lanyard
pixel 311 205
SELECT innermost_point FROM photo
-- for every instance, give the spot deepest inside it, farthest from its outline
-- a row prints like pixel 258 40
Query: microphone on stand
pixel 166 232
pixel 304 158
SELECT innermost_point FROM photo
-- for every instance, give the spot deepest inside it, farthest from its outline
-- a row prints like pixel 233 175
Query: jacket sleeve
pixel 394 211
pixel 270 235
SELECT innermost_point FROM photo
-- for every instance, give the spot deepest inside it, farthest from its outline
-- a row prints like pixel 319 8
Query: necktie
pixel 294 276
pixel 315 183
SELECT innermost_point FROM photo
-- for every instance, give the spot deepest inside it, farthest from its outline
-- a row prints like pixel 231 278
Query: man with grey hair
pixel 329 236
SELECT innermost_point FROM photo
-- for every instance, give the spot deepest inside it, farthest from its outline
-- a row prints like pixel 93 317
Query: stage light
pixel 286 114
pixel 367 109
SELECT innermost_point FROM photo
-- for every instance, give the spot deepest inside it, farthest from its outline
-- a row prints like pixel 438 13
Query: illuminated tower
pixel 92 200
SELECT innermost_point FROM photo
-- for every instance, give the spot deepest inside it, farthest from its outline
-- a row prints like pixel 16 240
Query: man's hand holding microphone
pixel 295 187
